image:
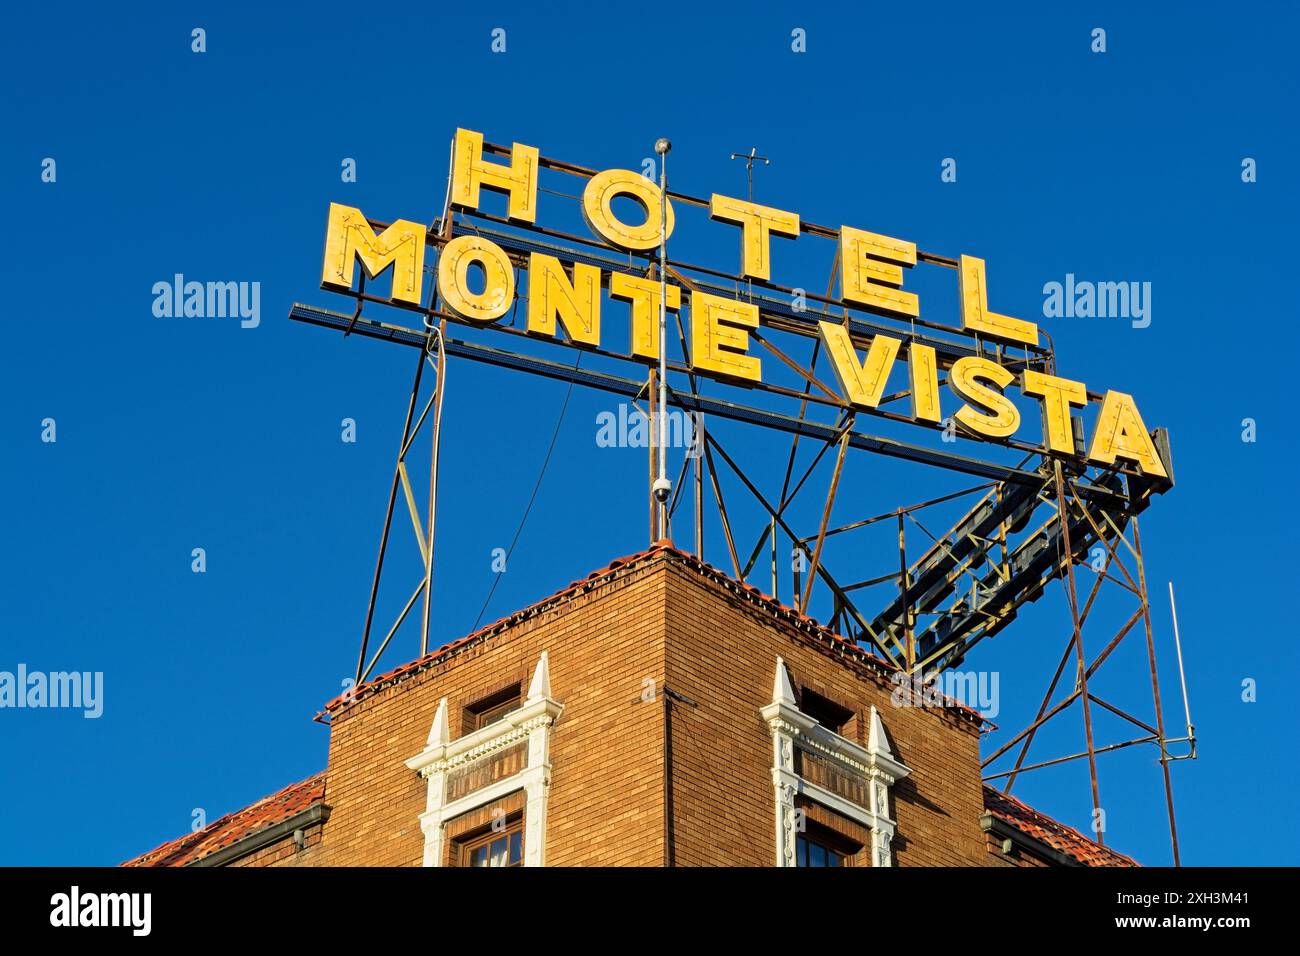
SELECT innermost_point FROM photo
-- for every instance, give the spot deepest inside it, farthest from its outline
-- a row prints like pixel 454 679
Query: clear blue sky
pixel 182 433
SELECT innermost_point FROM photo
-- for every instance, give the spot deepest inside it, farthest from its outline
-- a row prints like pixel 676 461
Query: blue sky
pixel 174 434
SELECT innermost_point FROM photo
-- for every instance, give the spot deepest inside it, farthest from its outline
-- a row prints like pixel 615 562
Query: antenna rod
pixel 750 159
pixel 662 484
pixel 1182 675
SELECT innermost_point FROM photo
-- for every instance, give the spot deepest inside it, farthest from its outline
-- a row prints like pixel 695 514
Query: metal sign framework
pixel 1031 523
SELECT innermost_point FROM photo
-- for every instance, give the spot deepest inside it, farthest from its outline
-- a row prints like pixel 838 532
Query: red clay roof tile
pixel 235 826
pixel 1056 835
pixel 662 547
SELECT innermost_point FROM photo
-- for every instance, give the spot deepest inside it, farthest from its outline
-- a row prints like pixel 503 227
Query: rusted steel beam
pixel 1051 689
pixel 826 517
pixel 1063 506
pixel 388 516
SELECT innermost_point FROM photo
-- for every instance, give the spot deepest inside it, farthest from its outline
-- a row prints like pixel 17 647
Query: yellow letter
pixel 965 381
pixel 975 314
pixel 597 208
pixel 349 237
pixel 1120 433
pixel 864 383
pixel 550 294
pixel 1057 395
pixel 453 278
pixel 718 336
pixel 469 171
pixel 644 296
pixel 757 225
pixel 923 379
pixel 871 267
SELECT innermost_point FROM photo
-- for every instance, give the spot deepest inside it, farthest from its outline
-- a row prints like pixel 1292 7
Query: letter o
pixel 597 208
pixel 453 278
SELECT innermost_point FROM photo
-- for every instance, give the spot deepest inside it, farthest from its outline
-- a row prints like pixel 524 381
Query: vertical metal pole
pixel 663 485
pixel 699 487
pixel 433 493
pixel 652 392
pixel 1002 536
pixel 910 646
pixel 388 516
pixel 1064 517
pixel 773 533
pixel 1155 690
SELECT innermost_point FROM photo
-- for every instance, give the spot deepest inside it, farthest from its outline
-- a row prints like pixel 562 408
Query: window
pixel 821 846
pixel 492 708
pixel 825 711
pixel 809 852
pixel 495 848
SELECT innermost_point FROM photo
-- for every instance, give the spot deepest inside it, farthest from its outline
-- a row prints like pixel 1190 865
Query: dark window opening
pixel 825 711
pixel 492 708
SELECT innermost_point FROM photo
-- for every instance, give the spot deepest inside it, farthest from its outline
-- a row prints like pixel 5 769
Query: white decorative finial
pixel 877 741
pixel 782 691
pixel 540 688
pixel 440 732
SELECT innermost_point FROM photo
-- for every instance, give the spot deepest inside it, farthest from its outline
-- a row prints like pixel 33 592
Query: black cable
pixel 536 487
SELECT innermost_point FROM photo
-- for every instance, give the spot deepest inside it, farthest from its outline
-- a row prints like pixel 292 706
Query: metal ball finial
pixel 662 145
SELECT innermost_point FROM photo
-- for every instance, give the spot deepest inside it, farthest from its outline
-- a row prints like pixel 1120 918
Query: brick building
pixel 657 712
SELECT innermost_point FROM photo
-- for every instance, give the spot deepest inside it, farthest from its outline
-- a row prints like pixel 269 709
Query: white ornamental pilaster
pixel 875 765
pixel 883 771
pixel 784 721
pixel 435 775
pixel 532 723
pixel 537 789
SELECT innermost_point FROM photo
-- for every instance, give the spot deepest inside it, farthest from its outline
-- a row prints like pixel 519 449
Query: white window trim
pixel 874 764
pixel 533 722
